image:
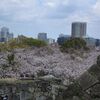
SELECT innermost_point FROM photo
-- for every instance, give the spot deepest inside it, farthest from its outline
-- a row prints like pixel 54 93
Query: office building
pixel 5 35
pixel 62 38
pixel 42 36
pixel 90 41
pixel 79 29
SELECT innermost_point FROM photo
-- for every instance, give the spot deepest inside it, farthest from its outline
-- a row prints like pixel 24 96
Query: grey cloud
pixel 64 11
pixel 27 10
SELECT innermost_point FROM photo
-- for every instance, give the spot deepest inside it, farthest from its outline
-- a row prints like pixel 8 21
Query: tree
pixel 74 44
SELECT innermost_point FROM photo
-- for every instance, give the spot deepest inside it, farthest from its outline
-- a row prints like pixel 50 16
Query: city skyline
pixel 30 17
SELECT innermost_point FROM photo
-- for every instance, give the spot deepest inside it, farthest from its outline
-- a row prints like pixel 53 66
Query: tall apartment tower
pixel 42 36
pixel 79 29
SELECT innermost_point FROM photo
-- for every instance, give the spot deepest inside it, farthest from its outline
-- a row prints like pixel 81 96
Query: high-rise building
pixel 5 35
pixel 79 29
pixel 42 36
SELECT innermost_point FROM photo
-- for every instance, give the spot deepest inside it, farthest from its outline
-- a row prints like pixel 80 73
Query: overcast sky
pixel 29 17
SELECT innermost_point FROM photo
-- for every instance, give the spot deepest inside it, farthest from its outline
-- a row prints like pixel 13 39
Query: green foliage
pixel 21 42
pixel 33 42
pixel 75 43
pixel 3 47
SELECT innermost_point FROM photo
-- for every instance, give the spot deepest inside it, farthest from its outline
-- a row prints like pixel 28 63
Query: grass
pixel 14 81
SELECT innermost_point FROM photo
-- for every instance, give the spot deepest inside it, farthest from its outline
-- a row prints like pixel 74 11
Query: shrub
pixel 33 42
pixel 26 42
pixel 21 42
pixel 3 47
pixel 74 44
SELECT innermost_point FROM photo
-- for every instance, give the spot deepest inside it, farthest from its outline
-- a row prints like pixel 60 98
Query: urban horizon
pixel 53 16
pixel 60 33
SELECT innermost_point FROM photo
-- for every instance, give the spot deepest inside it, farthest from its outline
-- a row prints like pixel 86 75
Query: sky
pixel 30 17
